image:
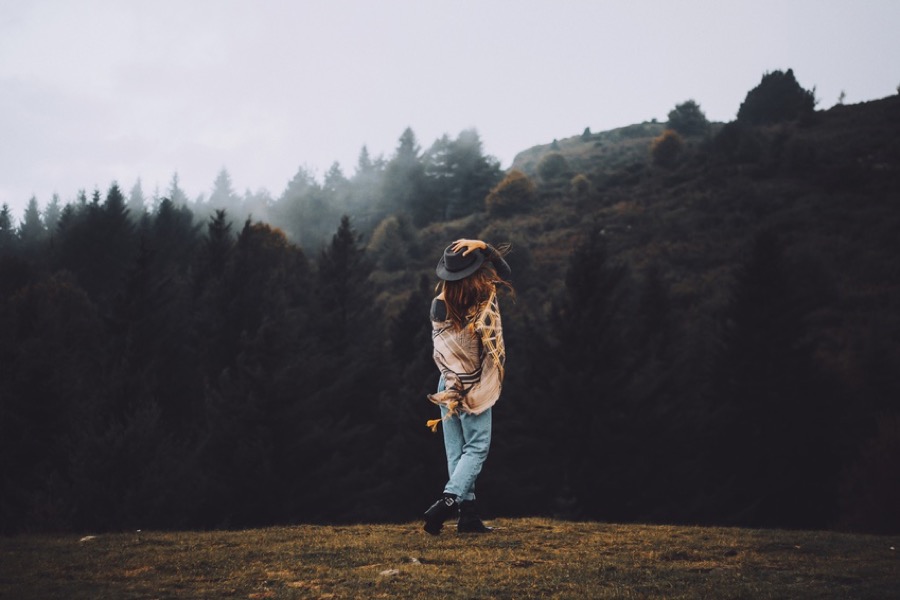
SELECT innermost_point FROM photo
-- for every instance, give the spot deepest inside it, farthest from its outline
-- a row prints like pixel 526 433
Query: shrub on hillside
pixel 580 187
pixel 388 245
pixel 667 148
pixel 778 97
pixel 687 119
pixel 513 194
pixel 552 166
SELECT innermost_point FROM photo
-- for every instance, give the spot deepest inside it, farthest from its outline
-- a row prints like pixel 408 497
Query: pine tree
pixel 335 182
pixel 52 215
pixel 343 374
pixel 53 350
pixel 223 196
pixel 173 236
pixel 459 174
pixel 342 273
pixel 364 165
pixel 214 295
pixel 365 189
pixel 402 424
pixel 772 456
pixel 119 243
pixel 32 231
pixel 136 201
pixel 176 194
pixel 303 211
pixel 97 242
pixel 8 238
pixel 403 187
pixel 587 376
pixel 253 326
pixel 218 244
pixel 336 189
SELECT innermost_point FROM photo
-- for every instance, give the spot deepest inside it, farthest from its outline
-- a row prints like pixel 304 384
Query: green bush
pixel 552 166
pixel 687 119
pixel 778 97
pixel 580 186
pixel 667 148
pixel 513 194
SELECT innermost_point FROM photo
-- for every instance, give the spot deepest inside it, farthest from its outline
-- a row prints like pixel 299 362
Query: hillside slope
pixel 828 187
pixel 681 440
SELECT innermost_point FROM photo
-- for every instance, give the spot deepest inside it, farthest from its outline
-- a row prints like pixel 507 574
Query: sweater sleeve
pixel 438 310
pixel 498 261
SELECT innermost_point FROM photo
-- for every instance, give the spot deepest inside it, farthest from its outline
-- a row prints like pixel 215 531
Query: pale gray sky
pixel 93 91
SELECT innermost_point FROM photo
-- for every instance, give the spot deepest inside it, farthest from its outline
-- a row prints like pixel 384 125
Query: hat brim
pixel 446 275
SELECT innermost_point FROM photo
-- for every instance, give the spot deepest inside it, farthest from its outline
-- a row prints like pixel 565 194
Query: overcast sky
pixel 96 91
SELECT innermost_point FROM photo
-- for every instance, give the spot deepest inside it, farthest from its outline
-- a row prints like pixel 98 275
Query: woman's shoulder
pixel 438 309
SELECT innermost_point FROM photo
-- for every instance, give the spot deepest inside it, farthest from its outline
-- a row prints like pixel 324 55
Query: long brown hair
pixel 465 298
pixel 472 302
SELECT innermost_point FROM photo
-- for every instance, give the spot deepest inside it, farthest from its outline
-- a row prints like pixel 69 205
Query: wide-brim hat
pixel 453 266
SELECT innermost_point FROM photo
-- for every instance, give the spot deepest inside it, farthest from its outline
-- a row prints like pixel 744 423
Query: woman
pixel 469 351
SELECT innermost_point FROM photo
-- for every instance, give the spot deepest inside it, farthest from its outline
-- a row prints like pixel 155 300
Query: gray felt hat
pixel 453 266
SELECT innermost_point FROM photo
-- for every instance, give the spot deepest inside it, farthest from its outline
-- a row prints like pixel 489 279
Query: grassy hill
pixel 524 558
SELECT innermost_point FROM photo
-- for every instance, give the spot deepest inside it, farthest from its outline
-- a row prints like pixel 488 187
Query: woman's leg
pixel 476 442
pixel 453 435
pixel 467 439
pixel 453 440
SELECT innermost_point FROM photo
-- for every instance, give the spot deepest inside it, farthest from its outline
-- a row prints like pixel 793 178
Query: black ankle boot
pixel 439 512
pixel 469 521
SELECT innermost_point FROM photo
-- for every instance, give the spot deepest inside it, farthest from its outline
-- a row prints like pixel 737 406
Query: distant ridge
pixel 587 151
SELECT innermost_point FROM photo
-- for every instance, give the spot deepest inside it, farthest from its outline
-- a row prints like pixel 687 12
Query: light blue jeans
pixel 467 439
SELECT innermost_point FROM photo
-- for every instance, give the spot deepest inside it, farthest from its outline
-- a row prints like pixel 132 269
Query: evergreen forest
pixel 705 330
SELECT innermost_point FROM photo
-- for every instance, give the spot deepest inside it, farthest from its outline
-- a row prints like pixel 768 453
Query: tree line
pixel 180 363
pixel 171 374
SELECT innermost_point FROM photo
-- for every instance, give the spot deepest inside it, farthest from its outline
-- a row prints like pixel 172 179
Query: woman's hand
pixel 469 246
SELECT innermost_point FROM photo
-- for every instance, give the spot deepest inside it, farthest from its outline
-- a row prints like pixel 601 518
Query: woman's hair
pixel 472 302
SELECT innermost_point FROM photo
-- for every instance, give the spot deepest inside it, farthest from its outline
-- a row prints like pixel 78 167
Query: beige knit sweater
pixel 471 375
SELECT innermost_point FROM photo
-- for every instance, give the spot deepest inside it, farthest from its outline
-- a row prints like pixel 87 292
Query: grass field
pixel 523 558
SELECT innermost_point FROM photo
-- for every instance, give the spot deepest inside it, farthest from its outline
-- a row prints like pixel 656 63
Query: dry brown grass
pixel 524 558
